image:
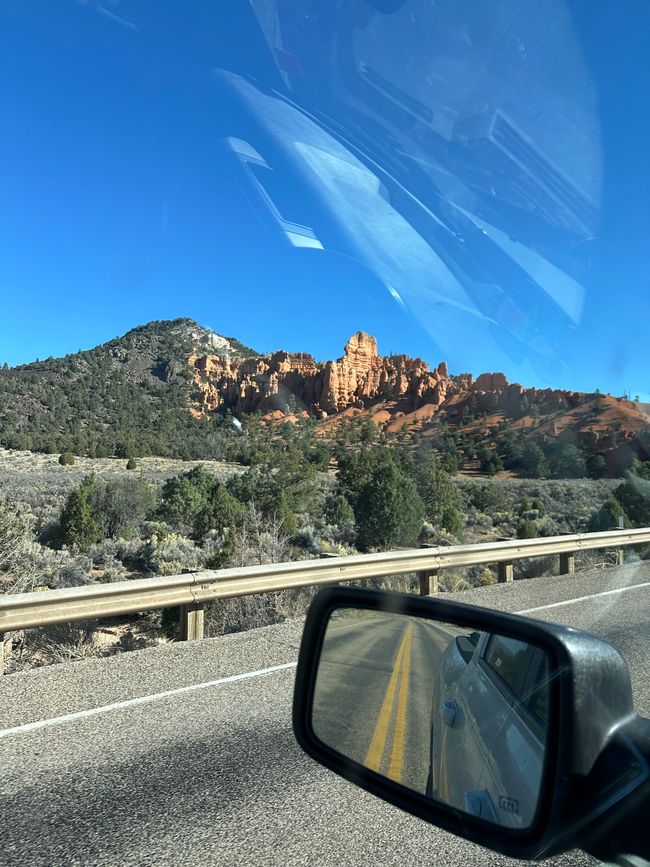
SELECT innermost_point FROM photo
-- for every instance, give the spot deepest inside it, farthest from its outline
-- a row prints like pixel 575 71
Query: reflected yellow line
pixel 378 743
pixel 397 753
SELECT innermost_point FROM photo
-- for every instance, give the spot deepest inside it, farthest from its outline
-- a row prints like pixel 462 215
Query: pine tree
pixel 389 510
pixel 79 526
pixel 606 518
pixel 439 495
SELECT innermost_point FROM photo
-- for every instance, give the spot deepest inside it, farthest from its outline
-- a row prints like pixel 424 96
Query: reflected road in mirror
pixel 452 713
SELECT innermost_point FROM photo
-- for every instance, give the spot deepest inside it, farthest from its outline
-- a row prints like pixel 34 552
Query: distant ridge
pixel 162 386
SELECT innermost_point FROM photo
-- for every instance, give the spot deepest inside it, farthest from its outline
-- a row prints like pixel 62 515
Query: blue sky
pixel 118 206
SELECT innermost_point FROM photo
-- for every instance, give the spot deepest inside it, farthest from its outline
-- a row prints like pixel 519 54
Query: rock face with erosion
pixel 295 381
pixel 361 379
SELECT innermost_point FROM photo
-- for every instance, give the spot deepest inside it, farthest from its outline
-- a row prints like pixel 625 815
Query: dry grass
pixel 41 482
pixel 568 505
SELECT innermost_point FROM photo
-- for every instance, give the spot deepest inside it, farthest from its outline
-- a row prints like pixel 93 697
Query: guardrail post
pixel 192 621
pixel 506 572
pixel 428 577
pixel 6 646
pixel 428 582
pixel 567 562
pixel 619 552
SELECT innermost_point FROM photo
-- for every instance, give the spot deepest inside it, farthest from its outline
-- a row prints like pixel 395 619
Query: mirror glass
pixel 453 713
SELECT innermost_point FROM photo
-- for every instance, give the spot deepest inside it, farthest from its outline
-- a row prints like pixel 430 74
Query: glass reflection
pixel 455 714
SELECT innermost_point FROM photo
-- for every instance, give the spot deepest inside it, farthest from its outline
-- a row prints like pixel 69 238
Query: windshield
pixel 286 281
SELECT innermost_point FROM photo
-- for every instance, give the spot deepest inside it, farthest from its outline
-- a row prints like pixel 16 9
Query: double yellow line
pixel 375 754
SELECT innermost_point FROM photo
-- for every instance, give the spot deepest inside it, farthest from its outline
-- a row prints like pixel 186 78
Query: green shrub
pixel 491 463
pixel 439 495
pixel 307 538
pixel 527 530
pixel 199 502
pixel 569 462
pixel 356 469
pixel 389 510
pixel 539 507
pixel 16 547
pixel 487 497
pixel 132 464
pixel 79 524
pixel 171 554
pixel 66 459
pixel 120 505
pixel 607 517
pixel 97 510
pixel 285 514
pixel 511 448
pixel 338 510
pixel 634 498
pixel 596 466
pixel 533 461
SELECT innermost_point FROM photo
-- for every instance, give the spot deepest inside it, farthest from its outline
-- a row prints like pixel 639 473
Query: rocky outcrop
pixel 287 380
pixel 360 378
pixel 361 375
pixel 491 382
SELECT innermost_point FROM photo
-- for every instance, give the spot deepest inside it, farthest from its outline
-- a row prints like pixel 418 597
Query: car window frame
pixel 502 684
pixel 529 719
pixel 536 725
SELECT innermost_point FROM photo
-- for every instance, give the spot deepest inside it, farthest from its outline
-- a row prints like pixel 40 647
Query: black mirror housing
pixel 590 717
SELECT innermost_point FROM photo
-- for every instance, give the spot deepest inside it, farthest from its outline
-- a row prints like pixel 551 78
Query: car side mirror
pixel 513 733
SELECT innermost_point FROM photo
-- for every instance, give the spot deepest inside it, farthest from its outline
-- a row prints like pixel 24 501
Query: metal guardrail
pixel 193 590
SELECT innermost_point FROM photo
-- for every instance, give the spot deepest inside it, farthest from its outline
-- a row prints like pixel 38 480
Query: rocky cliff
pixel 397 390
pixel 360 378
pixel 286 380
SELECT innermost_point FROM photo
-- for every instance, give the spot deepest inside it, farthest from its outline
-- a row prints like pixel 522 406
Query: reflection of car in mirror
pixel 533 746
pixel 488 728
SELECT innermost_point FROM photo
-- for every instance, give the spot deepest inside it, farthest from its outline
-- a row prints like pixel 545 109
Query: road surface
pixel 185 754
pixel 373 694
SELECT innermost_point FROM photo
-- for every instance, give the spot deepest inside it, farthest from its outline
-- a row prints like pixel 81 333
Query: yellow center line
pixel 378 743
pixel 397 753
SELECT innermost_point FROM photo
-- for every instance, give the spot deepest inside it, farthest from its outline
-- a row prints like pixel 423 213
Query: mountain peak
pixel 202 340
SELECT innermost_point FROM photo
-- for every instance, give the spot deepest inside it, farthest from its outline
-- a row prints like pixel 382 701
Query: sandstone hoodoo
pixel 286 380
pixel 361 379
pixel 398 390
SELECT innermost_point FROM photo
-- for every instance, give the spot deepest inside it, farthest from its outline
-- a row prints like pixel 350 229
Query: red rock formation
pixel 358 378
pixel 491 382
pixel 396 389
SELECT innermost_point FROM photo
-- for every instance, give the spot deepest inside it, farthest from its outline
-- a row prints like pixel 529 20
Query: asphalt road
pixel 373 695
pixel 163 757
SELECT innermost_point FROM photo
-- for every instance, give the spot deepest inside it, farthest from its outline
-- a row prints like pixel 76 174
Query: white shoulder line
pixel 583 598
pixel 70 717
pixel 131 702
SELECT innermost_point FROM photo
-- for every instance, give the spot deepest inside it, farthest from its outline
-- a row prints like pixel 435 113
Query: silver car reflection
pixel 488 729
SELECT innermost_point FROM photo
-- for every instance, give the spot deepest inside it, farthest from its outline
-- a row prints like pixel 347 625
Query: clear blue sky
pixel 117 206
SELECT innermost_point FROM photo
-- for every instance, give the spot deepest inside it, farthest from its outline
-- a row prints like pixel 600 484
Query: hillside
pixel 128 396
pixel 404 397
pixel 166 388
